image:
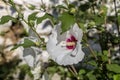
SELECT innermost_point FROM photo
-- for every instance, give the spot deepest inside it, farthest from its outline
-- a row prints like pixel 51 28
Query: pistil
pixel 71 42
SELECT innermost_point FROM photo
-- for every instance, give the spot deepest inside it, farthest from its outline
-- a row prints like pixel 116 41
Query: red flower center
pixel 71 42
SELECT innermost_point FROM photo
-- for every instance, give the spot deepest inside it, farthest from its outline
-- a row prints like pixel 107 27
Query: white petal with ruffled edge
pixel 62 55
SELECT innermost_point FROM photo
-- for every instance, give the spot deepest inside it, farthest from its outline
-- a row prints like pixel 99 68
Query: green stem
pixel 20 15
pixel 72 69
pixel 109 55
pixel 93 53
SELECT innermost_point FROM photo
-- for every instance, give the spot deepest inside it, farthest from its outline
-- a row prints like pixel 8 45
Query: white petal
pixel 69 59
pixel 53 48
pixel 76 32
pixel 63 56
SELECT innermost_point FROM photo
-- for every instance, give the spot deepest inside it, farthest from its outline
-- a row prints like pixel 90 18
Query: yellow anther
pixel 70 43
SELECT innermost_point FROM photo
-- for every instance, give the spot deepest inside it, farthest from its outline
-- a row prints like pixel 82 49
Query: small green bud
pixel 72 10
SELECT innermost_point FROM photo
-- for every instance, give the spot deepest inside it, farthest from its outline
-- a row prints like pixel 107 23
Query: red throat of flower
pixel 71 42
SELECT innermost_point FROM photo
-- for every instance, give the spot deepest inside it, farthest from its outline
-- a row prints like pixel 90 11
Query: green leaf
pixel 62 70
pixel 5 19
pixel 113 67
pixel 67 21
pixel 91 76
pixel 69 74
pixel 40 19
pixel 104 11
pixel 116 77
pixel 82 71
pixel 31 7
pixel 104 58
pixel 32 16
pixel 105 52
pixel 91 24
pixel 110 75
pixel 27 43
pixel 52 70
pixel 61 7
pixel 92 62
pixel 98 19
pixel 82 26
pixel 25 69
pixel 119 18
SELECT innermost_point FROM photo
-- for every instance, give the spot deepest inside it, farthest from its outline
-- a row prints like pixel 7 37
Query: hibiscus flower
pixel 66 49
